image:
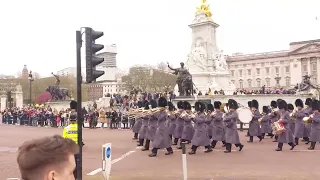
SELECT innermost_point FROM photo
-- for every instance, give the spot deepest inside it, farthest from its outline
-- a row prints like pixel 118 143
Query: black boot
pixel 170 135
pixel 307 140
pixel 271 135
pixel 280 145
pixel 228 148
pixel 296 140
pixel 275 139
pixel 175 141
pixel 250 140
pixel 260 138
pixel 153 152
pixel 135 136
pixel 140 142
pixel 146 146
pixel 240 146
pixel 304 139
pixel 208 149
pixel 193 149
pixel 312 146
pixel 292 146
pixel 213 144
pixel 170 151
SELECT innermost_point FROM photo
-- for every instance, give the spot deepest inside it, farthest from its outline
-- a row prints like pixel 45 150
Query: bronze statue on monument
pixel 184 80
pixel 57 93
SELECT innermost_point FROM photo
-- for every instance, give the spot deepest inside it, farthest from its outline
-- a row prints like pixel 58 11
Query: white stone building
pixel 252 71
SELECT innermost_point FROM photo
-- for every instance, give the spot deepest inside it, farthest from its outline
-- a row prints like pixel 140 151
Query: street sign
pixel 106 160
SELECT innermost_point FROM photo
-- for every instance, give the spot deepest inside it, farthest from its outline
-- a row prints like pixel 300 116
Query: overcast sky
pixel 41 33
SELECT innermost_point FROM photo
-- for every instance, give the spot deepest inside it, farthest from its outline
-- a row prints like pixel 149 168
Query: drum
pixel 278 127
pixel 245 115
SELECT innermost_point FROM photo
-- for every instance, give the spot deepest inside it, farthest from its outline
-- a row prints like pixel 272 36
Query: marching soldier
pixel 265 122
pixel 285 137
pixel 232 136
pixel 161 139
pixel 188 130
pixel 172 119
pixel 143 130
pixel 307 126
pixel 299 124
pixel 152 127
pixel 200 137
pixel 274 116
pixel 315 125
pixel 241 124
pixel 137 125
pixel 254 127
pixel 179 124
pixel 292 122
pixel 218 132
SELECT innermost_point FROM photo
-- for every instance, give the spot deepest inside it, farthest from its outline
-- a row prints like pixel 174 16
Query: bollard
pixel 184 161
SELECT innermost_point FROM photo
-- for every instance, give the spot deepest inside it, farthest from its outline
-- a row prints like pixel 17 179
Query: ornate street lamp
pixel 30 78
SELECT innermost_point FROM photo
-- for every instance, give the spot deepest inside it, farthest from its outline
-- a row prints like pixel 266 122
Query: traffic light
pixel 91 60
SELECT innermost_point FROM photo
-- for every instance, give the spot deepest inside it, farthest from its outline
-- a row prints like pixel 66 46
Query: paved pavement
pixel 257 161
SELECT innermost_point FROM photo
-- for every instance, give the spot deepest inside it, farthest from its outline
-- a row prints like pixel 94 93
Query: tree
pixel 148 79
pixel 162 66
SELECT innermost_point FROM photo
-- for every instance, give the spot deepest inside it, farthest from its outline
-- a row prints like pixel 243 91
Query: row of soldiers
pixel 202 128
pixel 292 120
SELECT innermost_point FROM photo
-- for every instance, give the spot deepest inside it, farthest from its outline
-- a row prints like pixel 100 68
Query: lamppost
pixel 30 78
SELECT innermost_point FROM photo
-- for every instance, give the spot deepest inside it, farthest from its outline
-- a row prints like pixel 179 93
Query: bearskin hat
pixel 153 103
pixel 282 104
pixel 232 104
pixel 210 107
pixel 249 104
pixel 171 106
pixel 308 102
pixel 315 105
pixel 255 104
pixel 273 104
pixel 265 109
pixel 199 106
pixel 146 106
pixel 299 103
pixel 140 104
pixel 290 107
pixel 186 105
pixel 162 102
pixel 180 105
pixel 217 104
pixel 73 104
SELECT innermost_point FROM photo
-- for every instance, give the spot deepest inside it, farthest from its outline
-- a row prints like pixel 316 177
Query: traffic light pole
pixel 79 105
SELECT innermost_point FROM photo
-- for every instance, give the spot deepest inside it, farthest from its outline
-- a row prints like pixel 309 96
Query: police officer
pixel 71 131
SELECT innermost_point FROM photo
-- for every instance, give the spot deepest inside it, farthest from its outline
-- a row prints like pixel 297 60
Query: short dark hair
pixel 35 156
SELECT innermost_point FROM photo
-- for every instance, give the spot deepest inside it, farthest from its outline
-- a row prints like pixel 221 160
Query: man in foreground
pixel 47 158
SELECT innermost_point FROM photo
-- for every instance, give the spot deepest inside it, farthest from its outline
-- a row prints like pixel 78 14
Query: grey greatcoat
pixel 162 139
pixel 315 128
pixel 218 130
pixel 266 124
pixel 299 124
pixel 307 127
pixel 179 127
pixel 287 136
pixel 188 130
pixel 137 125
pixel 209 120
pixel 292 125
pixel 172 123
pixel 153 124
pixel 254 127
pixel 144 127
pixel 231 136
pixel 200 137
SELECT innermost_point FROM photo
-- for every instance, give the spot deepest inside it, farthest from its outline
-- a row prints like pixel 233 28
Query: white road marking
pixel 94 172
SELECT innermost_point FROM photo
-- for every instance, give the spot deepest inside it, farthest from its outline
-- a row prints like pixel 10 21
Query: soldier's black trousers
pixel 135 135
pixel 155 150
pixel 194 148
pixel 147 145
pixel 175 141
pixel 170 135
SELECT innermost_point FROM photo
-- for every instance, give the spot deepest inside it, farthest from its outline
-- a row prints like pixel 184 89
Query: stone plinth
pixel 58 105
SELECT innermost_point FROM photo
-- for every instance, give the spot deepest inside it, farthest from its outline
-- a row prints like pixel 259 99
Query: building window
pixel 240 72
pixel 268 82
pixel 305 68
pixel 241 84
pixel 267 71
pixel 249 83
pixel 258 71
pixel 258 82
pixel 249 72
pixel 314 67
pixel 232 72
pixel 314 80
pixel 288 81
pixel 277 70
pixel 287 69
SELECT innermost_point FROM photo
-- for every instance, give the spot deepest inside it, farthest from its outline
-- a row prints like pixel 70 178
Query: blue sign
pixel 108 152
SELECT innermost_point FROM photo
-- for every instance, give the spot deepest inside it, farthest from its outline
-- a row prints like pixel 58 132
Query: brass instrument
pixel 260 119
pixel 191 115
pixel 293 115
pixel 141 112
pixel 308 119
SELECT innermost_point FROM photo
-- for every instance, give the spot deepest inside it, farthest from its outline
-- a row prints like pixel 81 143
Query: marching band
pixel 161 124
